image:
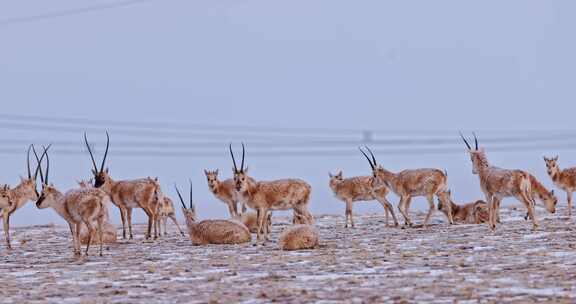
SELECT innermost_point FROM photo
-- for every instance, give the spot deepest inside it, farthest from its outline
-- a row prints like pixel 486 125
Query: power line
pixel 69 12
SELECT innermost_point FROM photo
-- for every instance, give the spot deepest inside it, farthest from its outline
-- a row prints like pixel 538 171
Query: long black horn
pixel 28 162
pixel 47 163
pixel 105 153
pixel 243 156
pixel 180 196
pixel 465 141
pixel 39 165
pixel 233 159
pixel 191 196
pixel 475 140
pixel 367 158
pixel 373 157
pixel 90 151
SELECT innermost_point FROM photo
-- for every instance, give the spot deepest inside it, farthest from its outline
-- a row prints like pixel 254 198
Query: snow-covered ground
pixel 370 263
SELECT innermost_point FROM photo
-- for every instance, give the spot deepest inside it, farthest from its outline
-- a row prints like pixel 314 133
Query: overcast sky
pixel 392 65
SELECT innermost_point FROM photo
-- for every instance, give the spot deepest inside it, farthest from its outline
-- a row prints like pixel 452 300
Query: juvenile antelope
pixel 563 179
pixel 250 220
pixel 166 210
pixel 299 237
pixel 19 196
pixel 142 193
pixel 360 188
pixel 212 231
pixel 408 184
pixel 266 196
pixel 471 213
pixel 82 206
pixel 497 183
pixel 224 191
pixel 542 194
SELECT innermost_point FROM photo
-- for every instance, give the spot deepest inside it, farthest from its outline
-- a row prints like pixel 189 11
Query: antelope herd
pixel 85 209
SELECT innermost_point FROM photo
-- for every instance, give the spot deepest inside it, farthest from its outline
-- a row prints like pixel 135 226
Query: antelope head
pixel 335 178
pixel 5 197
pixel 49 193
pixel 212 177
pixel 477 155
pixel 100 175
pixel 189 212
pixel 378 172
pixel 552 165
pixel 241 178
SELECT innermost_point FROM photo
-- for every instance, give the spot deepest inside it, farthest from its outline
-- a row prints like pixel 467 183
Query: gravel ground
pixel 371 263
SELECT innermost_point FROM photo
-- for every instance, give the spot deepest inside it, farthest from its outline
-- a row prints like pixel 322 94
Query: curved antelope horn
pixel 47 163
pixel 39 160
pixel 373 158
pixel 90 151
pixel 367 158
pixel 243 155
pixel 28 162
pixel 191 196
pixel 465 141
pixel 233 159
pixel 180 196
pixel 106 152
pixel 475 140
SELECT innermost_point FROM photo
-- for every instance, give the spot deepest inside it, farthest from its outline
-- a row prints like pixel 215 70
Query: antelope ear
pixel 449 192
pixel 205 172
pixel 545 159
pixel 339 173
pixel 246 170
pixel 552 192
pixel 556 158
pixel 22 179
pixel 216 172
pixel 94 172
pixel 330 174
pixel 106 171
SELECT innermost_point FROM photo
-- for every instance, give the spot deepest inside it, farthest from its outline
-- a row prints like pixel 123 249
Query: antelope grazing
pixel 299 237
pixel 408 184
pixel 166 210
pixel 224 191
pixel 543 195
pixel 497 183
pixel 212 231
pixel 18 196
pixel 82 206
pixel 563 179
pixel 142 193
pixel 250 220
pixel 356 189
pixel 263 196
pixel 472 213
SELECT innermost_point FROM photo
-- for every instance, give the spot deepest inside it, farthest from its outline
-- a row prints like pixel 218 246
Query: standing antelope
pixel 497 183
pixel 471 213
pixel 77 207
pixel 543 195
pixel 264 196
pixel 224 191
pixel 212 231
pixel 142 193
pixel 408 184
pixel 359 188
pixel 19 196
pixel 563 179
pixel 166 210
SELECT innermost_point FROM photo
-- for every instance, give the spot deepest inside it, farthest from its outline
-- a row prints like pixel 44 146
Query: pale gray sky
pixel 391 65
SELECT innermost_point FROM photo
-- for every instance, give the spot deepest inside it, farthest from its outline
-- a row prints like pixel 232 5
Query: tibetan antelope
pixel 166 210
pixel 359 188
pixel 81 206
pixel 264 196
pixel 250 220
pixel 142 193
pixel 299 237
pixel 497 183
pixel 408 184
pixel 19 196
pixel 471 213
pixel 212 231
pixel 224 191
pixel 542 194
pixel 563 179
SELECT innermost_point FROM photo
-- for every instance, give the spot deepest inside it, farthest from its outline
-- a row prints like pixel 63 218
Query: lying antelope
pixel 497 183
pixel 250 220
pixel 264 196
pixel 299 237
pixel 408 184
pixel 471 213
pixel 359 188
pixel 142 193
pixel 224 191
pixel 80 206
pixel 166 210
pixel 18 197
pixel 563 179
pixel 212 231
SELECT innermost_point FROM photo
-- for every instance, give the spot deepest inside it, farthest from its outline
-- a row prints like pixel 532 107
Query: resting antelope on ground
pixel 250 220
pixel 166 210
pixel 408 184
pixel 264 196
pixel 212 231
pixel 299 237
pixel 224 191
pixel 563 179
pixel 80 206
pixel 360 188
pixel 19 196
pixel 497 183
pixel 471 213
pixel 142 193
